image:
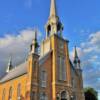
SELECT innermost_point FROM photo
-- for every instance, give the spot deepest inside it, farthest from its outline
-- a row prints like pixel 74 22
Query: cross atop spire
pixel 53 8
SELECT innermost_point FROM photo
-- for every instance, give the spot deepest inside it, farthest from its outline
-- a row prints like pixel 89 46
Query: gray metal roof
pixel 21 69
pixel 14 73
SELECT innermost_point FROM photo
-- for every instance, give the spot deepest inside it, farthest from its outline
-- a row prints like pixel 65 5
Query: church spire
pixel 34 46
pixel 53 26
pixel 75 54
pixel 10 67
pixel 76 59
pixel 53 8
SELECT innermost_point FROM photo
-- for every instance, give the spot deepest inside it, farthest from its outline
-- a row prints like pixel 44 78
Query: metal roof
pixel 14 73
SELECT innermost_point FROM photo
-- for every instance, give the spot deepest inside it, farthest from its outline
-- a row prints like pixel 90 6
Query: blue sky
pixel 81 20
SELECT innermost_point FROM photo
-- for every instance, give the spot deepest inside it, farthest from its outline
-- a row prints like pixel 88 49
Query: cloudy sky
pixel 81 19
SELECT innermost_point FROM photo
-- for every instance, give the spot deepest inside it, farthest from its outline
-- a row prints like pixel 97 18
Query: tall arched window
pixel 43 78
pixel 43 96
pixel 61 68
pixel 10 93
pixel 3 94
pixel 19 92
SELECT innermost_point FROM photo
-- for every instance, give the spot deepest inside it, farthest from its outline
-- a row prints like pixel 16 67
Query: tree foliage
pixel 90 94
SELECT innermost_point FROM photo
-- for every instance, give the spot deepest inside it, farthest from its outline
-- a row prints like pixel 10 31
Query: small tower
pixel 33 68
pixel 53 26
pixel 76 59
pixel 80 77
pixel 9 67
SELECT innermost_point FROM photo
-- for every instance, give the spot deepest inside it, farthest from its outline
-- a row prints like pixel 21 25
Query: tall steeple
pixel 76 59
pixel 53 25
pixel 9 67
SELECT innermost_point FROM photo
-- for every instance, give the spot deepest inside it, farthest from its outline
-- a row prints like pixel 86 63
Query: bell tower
pixel 60 62
pixel 53 25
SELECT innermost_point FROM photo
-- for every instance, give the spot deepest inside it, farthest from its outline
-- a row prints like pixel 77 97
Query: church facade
pixel 49 75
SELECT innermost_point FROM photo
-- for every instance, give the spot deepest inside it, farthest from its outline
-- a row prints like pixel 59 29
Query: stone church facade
pixel 49 75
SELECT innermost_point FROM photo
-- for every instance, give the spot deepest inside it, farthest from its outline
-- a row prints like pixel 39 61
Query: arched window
pixel 48 30
pixel 43 78
pixel 43 96
pixel 3 94
pixel 10 93
pixel 61 68
pixel 63 95
pixel 19 92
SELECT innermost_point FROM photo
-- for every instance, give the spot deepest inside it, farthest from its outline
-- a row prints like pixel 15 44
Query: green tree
pixel 90 94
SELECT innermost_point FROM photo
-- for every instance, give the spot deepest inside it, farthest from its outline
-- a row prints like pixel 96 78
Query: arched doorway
pixel 63 95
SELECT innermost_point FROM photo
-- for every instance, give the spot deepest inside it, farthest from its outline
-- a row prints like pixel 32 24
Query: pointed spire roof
pixel 76 58
pixel 53 8
pixel 9 65
pixel 75 53
pixel 35 37
pixel 34 44
pixel 35 34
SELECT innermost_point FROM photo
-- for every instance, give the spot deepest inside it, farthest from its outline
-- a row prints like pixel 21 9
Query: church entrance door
pixel 63 99
pixel 64 95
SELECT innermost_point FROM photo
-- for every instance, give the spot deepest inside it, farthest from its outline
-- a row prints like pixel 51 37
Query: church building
pixel 48 74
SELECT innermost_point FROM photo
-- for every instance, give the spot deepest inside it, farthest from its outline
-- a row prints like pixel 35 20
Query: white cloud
pixel 92 44
pixel 15 45
pixel 89 49
pixel 95 38
pixel 91 60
